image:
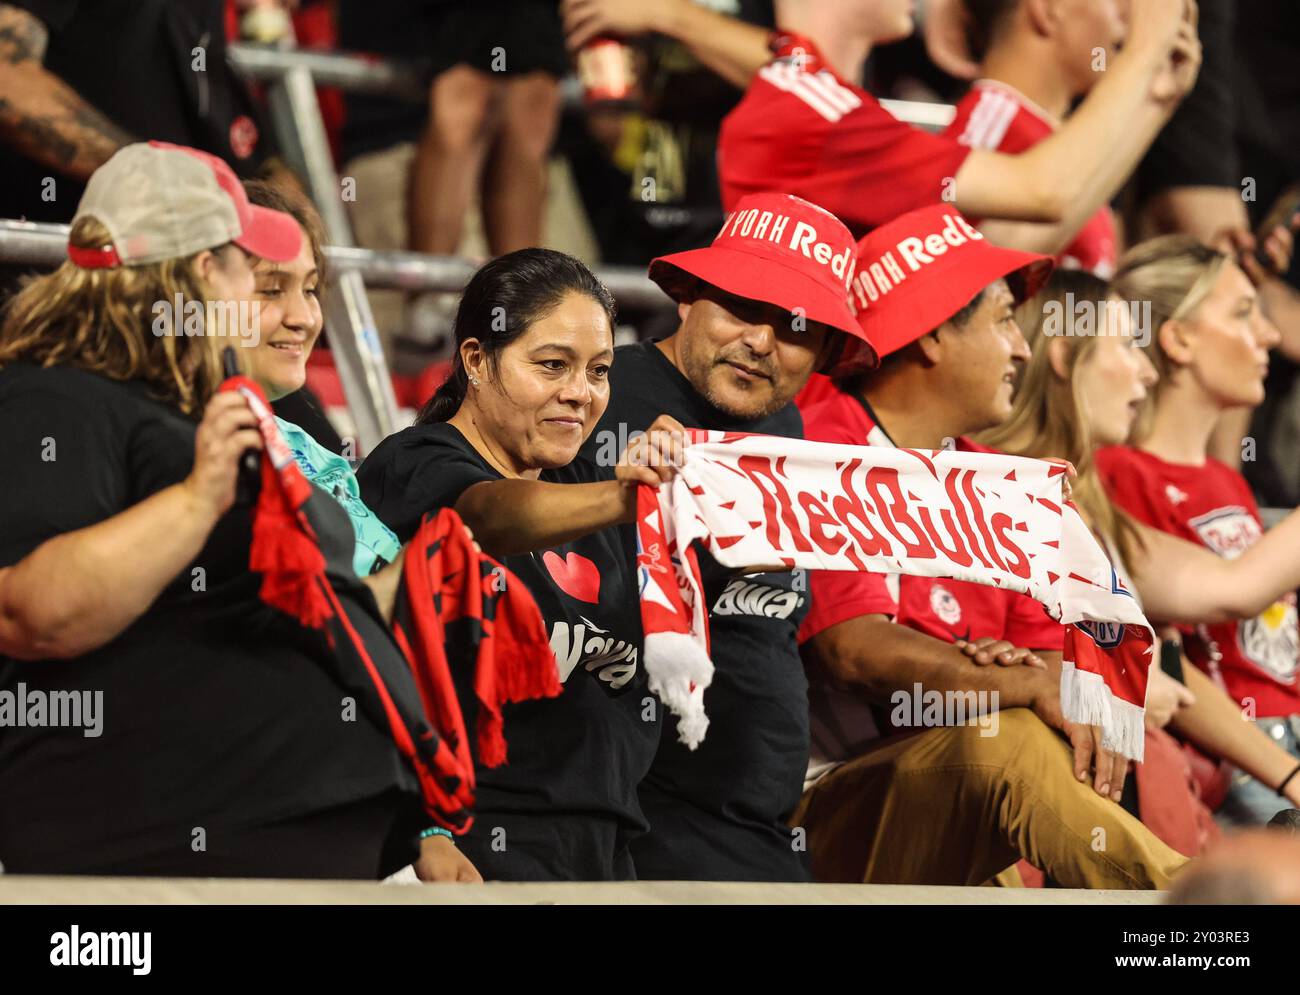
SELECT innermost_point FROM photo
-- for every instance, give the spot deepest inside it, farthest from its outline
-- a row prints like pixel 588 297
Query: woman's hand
pixel 1165 696
pixel 1071 474
pixel 228 428
pixel 441 862
pixel 653 458
pixel 1278 248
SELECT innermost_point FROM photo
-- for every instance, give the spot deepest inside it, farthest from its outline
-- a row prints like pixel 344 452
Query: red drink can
pixel 605 71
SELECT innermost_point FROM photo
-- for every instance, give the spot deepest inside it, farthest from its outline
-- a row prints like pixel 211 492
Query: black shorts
pixel 510 37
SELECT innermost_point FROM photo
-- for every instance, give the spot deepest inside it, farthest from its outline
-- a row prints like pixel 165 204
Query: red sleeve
pixel 841 150
pixel 1127 484
pixel 839 595
pixel 1028 625
pixel 874 168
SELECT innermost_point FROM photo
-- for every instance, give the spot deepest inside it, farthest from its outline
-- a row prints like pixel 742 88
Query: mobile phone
pixel 250 463
pixel 1283 210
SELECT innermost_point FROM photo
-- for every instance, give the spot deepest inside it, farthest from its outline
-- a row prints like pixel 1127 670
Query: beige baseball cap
pixel 162 201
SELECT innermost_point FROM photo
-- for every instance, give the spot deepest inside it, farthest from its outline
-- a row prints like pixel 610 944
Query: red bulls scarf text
pixel 757 501
pixel 454 605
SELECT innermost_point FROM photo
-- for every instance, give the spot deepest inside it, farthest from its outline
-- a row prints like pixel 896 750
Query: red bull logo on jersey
pixel 1270 640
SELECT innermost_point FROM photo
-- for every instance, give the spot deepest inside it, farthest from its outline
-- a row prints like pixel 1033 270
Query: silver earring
pixel 474 381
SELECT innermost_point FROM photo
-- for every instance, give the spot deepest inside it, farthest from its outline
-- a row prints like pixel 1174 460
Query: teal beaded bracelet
pixel 436 831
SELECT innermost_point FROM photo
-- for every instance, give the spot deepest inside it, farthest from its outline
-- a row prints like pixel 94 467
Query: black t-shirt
pixel 567 799
pixel 685 104
pixel 721 812
pixel 134 61
pixel 217 711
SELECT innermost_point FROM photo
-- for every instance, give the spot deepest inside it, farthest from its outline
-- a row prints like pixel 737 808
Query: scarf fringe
pixel 291 564
pixel 1086 700
pixel 517 679
pixel 678 670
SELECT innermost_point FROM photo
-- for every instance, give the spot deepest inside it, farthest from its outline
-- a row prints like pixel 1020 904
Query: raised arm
pixel 78 591
pixel 1215 723
pixel 733 49
pixel 1180 581
pixel 1064 179
pixel 40 115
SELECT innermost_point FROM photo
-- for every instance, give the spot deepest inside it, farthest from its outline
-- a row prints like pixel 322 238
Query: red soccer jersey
pixel 995 116
pixel 946 609
pixel 1213 506
pixel 801 129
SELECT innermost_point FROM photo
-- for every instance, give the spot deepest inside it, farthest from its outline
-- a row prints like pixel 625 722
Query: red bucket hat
pixel 923 267
pixel 780 250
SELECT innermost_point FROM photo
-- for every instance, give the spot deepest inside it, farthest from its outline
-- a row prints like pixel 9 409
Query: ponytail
pixel 447 399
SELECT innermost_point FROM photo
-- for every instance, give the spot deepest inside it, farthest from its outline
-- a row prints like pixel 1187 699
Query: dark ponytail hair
pixel 501 302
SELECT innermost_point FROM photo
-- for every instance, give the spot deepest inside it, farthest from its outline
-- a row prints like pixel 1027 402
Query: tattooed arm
pixel 40 115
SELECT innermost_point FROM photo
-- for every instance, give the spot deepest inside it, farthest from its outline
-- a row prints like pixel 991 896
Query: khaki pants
pixel 951 807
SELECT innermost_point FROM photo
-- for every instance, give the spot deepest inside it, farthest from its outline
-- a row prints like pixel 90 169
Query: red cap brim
pixel 916 310
pixel 271 235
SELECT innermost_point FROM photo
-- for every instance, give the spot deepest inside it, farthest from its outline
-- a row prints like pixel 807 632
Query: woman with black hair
pixel 498 442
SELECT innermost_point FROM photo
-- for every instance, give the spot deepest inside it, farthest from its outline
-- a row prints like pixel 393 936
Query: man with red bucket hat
pixel 761 308
pixel 937 301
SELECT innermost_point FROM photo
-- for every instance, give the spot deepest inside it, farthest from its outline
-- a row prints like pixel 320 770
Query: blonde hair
pixel 1047 417
pixel 1175 273
pixel 107 321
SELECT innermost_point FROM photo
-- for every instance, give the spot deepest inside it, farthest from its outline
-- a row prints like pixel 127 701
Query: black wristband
pixel 1287 780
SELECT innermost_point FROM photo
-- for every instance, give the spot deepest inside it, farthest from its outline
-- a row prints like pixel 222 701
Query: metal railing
pixel 29 243
pixel 291 76
pixel 404 80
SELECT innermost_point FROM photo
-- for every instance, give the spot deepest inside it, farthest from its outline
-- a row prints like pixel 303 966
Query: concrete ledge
pixel 36 890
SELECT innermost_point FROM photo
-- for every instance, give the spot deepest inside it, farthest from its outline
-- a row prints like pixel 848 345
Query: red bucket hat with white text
pixel 780 250
pixel 916 272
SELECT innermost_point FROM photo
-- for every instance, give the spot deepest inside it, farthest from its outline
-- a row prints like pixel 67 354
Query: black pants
pixel 535 847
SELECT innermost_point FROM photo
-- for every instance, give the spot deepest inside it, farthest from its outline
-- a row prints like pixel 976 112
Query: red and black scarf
pixel 467 628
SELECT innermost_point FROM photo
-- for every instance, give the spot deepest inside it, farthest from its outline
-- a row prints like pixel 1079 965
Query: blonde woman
pixel 1082 392
pixel 171 723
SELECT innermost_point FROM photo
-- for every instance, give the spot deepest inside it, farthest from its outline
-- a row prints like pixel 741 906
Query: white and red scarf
pixel 756 501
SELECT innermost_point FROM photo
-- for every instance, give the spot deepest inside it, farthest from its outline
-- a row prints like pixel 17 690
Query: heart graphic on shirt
pixel 575 575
